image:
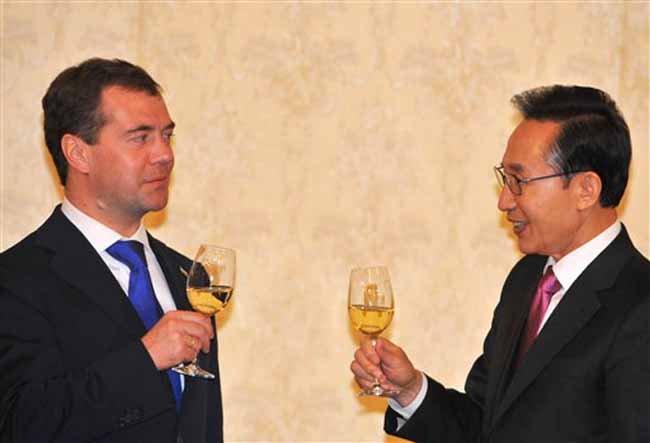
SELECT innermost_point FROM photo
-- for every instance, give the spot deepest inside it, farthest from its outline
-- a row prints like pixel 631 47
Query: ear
pixel 588 187
pixel 76 152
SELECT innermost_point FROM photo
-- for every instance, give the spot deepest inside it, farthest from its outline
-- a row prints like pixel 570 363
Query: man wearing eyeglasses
pixel 567 356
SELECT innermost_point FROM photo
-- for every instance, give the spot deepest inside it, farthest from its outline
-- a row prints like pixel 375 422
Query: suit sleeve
pixel 627 378
pixel 42 401
pixel 450 415
pixel 446 414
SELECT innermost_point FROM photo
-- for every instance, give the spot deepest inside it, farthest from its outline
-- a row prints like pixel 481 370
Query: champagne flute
pixel 209 287
pixel 371 308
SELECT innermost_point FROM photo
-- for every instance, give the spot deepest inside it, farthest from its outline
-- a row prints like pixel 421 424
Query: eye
pixel 139 138
pixel 168 136
pixel 513 179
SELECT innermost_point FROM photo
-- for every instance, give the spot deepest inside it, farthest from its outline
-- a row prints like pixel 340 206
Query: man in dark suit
pixel 566 358
pixel 87 338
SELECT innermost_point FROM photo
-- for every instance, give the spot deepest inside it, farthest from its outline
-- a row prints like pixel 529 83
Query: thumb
pixel 388 352
pixel 385 347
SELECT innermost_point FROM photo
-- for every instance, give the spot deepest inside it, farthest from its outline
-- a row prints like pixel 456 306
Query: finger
pixel 204 321
pixel 193 343
pixel 368 365
pixel 166 346
pixel 389 353
pixel 189 348
pixel 365 385
pixel 205 345
pixel 383 345
pixel 368 348
pixel 360 373
pixel 202 335
pixel 388 386
pixel 197 330
pixel 195 318
pixel 197 345
pixel 168 341
pixel 363 379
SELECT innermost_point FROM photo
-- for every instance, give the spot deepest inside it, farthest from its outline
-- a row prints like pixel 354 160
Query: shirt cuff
pixel 407 411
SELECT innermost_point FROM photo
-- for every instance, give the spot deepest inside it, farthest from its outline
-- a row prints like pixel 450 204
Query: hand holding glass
pixel 371 307
pixel 209 287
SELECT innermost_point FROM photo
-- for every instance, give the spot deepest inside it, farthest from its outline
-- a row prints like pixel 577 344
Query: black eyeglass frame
pixel 502 178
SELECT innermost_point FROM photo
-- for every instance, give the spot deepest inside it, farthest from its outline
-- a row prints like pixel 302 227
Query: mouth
pixel 158 181
pixel 518 226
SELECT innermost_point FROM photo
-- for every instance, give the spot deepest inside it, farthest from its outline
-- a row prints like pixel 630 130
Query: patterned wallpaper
pixel 314 137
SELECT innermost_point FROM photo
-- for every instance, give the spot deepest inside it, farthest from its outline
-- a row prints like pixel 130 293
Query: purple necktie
pixel 548 286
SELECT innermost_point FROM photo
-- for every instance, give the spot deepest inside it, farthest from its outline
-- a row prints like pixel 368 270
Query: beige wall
pixel 316 137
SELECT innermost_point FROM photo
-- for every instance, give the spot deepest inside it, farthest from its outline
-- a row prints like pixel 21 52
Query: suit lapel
pixel 173 273
pixel 577 307
pixel 193 399
pixel 517 319
pixel 77 262
pixel 193 426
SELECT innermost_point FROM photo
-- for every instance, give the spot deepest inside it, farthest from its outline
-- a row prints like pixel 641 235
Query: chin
pixel 157 205
pixel 527 248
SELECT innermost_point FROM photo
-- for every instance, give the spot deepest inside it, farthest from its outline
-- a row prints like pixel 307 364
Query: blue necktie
pixel 141 294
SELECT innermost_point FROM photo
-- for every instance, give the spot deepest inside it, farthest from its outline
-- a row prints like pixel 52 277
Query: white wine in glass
pixel 209 300
pixel 371 307
pixel 210 284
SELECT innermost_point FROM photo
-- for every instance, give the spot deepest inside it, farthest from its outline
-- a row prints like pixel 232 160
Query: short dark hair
pixel 593 134
pixel 71 104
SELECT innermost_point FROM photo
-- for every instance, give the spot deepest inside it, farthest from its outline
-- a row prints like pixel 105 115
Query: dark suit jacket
pixel 72 366
pixel 585 379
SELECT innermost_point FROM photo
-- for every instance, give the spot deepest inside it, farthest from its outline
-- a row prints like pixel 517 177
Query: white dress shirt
pixel 102 237
pixel 567 270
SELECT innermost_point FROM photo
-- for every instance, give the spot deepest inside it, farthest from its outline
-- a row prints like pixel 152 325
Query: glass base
pixel 193 370
pixel 377 391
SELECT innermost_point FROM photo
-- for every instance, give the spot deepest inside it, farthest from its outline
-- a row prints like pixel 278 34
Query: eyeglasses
pixel 515 183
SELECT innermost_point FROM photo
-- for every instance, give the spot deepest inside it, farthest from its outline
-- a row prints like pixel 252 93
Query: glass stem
pixel 373 341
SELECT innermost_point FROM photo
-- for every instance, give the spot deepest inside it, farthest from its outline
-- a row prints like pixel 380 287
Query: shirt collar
pixel 568 268
pixel 99 235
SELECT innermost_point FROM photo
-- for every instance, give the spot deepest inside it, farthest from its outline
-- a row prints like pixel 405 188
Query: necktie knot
pixel 129 252
pixel 549 284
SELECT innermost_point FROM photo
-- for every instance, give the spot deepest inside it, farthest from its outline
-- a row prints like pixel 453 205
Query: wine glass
pixel 371 308
pixel 209 287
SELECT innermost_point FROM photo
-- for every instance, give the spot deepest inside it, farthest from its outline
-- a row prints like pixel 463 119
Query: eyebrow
pixel 515 167
pixel 149 128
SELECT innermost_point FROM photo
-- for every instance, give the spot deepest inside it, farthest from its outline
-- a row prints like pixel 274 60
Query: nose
pixel 507 200
pixel 162 152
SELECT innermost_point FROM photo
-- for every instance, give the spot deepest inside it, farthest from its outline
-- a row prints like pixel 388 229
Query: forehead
pixel 528 146
pixel 130 107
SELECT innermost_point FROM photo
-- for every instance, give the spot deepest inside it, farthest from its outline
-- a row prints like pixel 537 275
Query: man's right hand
pixel 178 337
pixel 389 365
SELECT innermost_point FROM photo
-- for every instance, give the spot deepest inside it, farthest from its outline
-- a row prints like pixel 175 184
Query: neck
pixel 594 223
pixel 602 219
pixel 120 223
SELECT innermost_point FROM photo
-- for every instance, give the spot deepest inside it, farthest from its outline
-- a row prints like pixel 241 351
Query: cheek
pixel 537 216
pixel 125 175
pixel 551 221
pixel 132 168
